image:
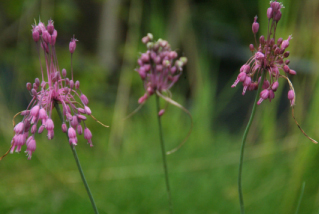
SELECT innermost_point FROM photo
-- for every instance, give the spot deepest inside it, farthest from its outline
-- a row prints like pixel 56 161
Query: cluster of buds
pixel 56 89
pixel 159 67
pixel 268 59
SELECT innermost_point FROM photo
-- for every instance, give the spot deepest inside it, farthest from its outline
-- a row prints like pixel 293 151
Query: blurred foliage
pixel 124 167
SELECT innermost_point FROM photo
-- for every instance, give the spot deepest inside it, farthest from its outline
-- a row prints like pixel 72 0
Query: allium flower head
pixel 54 88
pixel 269 56
pixel 270 61
pixel 159 67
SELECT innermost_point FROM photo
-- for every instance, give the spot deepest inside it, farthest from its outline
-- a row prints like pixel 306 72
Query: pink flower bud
pixel 49 125
pixel 81 110
pixel 42 114
pixel 259 56
pixel 275 86
pixel 77 84
pixel 145 39
pixel 64 128
pixel 35 111
pixel 172 55
pixel 50 27
pixel 271 95
pixel 81 117
pixel 50 134
pixel 255 26
pixel 285 43
pixel 64 72
pixel 53 37
pixel 31 146
pixel 145 57
pixel 142 72
pixel 269 13
pixel 74 122
pixel 142 99
pixel 84 99
pixel 246 84
pixel 18 129
pixel 251 47
pixel 79 129
pixel 262 39
pixel 161 112
pixel 29 86
pixel 292 72
pixel 25 112
pixel 241 77
pixel 87 110
pixel 73 141
pixel 286 68
pixel 286 54
pixel 72 45
pixel 173 69
pixel 263 95
pixel 291 97
pixel 71 84
pixel 266 84
pixel 35 34
pixel 71 133
pixel 34 92
pixel 88 135
pixel 41 128
pixel 277 16
pixel 46 36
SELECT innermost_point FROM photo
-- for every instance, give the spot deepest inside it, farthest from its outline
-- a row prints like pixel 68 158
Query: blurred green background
pixel 124 168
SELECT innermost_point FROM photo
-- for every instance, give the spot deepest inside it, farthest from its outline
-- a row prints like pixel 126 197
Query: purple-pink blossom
pixel 269 58
pixel 159 67
pixel 53 88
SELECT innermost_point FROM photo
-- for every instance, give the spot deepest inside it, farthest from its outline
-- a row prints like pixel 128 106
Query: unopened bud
pixel 77 84
pixel 64 72
pixel 251 47
pixel 50 27
pixel 29 86
pixel 72 45
pixel 255 26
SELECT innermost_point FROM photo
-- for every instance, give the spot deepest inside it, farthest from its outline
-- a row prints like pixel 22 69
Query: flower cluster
pixel 268 59
pixel 56 89
pixel 159 67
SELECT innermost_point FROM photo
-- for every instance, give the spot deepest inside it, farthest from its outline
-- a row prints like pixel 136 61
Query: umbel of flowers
pixel 54 87
pixel 269 56
pixel 159 67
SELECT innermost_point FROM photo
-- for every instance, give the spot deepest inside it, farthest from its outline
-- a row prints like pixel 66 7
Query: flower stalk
pixel 56 105
pixel 164 155
pixel 242 149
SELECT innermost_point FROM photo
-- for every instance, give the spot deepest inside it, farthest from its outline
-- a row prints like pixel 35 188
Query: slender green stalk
pixel 240 191
pixel 56 105
pixel 300 197
pixel 164 156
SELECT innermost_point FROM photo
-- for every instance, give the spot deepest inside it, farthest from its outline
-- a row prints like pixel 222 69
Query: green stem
pixel 56 105
pixel 164 156
pixel 240 191
pixel 300 197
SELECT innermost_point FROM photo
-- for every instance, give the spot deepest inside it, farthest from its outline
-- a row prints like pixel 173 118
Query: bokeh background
pixel 124 168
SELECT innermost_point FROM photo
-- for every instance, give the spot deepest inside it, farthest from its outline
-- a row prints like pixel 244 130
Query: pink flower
pixel 55 88
pixel 269 56
pixel 159 67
